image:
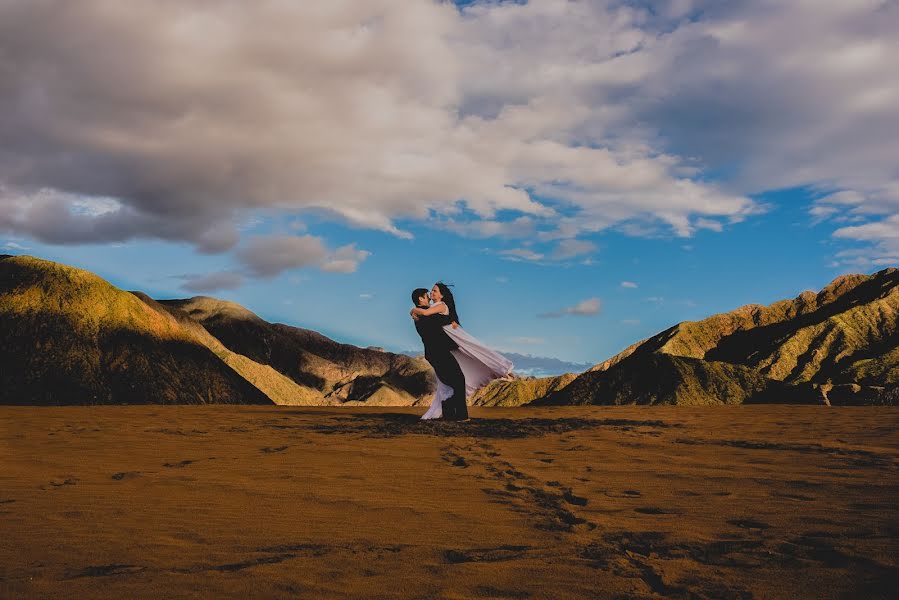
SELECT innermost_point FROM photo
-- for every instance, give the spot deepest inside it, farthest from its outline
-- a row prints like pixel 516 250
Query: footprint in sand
pixel 624 494
pixel 58 483
pixel 108 570
pixel 269 450
pixel 497 554
pixel 748 524
pixel 178 465
pixel 570 498
pixel 126 475
pixel 654 510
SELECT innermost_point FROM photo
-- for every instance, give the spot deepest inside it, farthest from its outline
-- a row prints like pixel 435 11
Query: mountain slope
pixel 519 391
pixel 69 337
pixel 814 337
pixel 659 378
pixel 278 387
pixel 848 333
pixel 339 372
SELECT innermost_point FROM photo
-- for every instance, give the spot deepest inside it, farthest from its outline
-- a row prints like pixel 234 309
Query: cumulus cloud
pixel 269 256
pixel 55 217
pixel 212 282
pixel 629 284
pixel 521 254
pixel 519 227
pixel 883 237
pixel 345 259
pixel 585 308
pixel 572 248
pixel 550 119
pixel 563 250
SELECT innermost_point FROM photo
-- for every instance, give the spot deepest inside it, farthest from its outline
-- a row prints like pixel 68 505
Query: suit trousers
pixel 449 372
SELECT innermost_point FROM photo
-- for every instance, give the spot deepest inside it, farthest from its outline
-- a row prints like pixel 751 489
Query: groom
pixel 438 347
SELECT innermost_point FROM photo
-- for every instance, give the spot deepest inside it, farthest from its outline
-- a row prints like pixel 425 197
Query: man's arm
pixel 436 309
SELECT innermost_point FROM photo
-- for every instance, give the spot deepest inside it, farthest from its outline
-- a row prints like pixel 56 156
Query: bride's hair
pixel 449 300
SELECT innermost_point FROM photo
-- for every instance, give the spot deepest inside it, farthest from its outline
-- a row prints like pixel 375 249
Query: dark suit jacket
pixel 433 336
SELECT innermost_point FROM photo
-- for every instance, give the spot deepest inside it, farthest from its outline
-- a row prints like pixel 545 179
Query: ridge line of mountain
pixel 71 337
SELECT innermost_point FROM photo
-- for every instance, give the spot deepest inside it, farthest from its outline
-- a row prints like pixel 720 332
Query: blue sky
pixel 585 173
pixel 774 256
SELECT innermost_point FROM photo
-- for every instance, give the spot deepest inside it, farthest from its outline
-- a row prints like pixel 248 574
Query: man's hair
pixel 418 293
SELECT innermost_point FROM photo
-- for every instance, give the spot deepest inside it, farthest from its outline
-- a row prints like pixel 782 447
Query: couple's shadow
pixel 389 424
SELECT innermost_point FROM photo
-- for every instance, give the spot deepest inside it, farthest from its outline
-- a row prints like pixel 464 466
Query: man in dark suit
pixel 438 352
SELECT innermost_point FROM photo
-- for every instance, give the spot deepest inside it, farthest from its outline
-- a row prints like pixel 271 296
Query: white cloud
pixel 94 207
pixel 269 256
pixel 345 259
pixel 552 119
pixel 571 248
pixel 519 227
pixel 882 238
pixel 211 282
pixel 15 246
pixel 374 111
pixel 629 284
pixel 366 296
pixel 521 254
pixel 588 307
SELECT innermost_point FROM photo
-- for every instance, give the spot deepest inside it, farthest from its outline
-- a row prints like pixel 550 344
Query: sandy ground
pixel 234 502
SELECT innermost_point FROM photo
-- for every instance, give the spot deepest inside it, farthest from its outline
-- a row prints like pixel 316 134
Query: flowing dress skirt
pixel 479 364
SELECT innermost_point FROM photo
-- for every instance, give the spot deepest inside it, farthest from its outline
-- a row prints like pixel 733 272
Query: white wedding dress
pixel 479 364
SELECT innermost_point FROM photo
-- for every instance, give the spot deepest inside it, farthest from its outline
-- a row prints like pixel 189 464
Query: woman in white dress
pixel 480 365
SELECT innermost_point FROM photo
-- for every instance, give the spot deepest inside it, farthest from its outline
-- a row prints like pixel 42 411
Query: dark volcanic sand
pixel 221 501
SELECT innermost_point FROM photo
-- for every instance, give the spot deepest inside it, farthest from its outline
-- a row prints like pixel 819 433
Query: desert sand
pixel 286 502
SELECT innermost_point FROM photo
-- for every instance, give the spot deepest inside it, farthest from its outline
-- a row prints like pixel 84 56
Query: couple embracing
pixel 462 363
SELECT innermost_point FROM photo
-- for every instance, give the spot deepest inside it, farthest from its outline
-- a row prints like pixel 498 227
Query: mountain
pixel 277 386
pixel 793 350
pixel 340 373
pixel 519 391
pixel 69 337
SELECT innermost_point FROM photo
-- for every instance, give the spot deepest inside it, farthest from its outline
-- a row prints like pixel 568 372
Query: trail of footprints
pixel 550 505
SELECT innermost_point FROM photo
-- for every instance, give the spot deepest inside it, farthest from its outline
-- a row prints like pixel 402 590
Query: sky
pixel 585 174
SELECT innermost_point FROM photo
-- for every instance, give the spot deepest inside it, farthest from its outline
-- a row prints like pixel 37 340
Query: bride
pixel 479 364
